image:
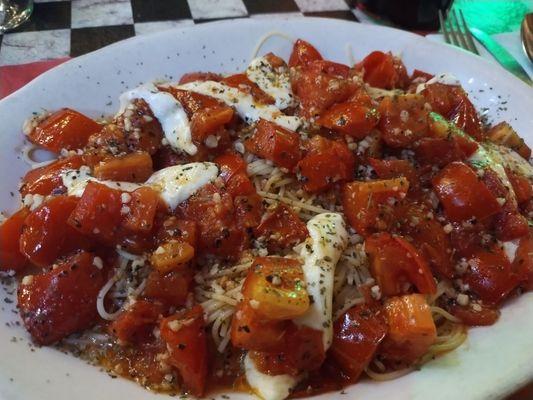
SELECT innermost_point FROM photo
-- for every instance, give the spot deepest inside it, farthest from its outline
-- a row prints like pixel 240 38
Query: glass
pixel 13 13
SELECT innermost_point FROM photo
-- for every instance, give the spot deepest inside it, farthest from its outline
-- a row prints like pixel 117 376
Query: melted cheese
pixel 445 78
pixel 177 183
pixel 268 387
pixel 327 240
pixel 245 105
pixel 168 111
pixel 272 81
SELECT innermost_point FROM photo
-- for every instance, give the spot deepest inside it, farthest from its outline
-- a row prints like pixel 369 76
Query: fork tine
pixel 461 32
pixel 470 40
pixel 453 34
pixel 443 27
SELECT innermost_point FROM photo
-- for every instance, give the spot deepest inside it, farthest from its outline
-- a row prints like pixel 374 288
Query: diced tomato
pixel 362 98
pixel 318 91
pixel 350 119
pixel 213 212
pixel 170 289
pixel 64 129
pixel 491 275
pixel 395 263
pixel 303 352
pixel 466 117
pixel 411 328
pixel 282 228
pixel 463 195
pixel 326 163
pixel 241 82
pixel 275 288
pixel 248 211
pixel 383 70
pixel 133 167
pixel 186 342
pixel 191 101
pixel 136 324
pixel 142 208
pixel 437 151
pixel 275 143
pixel 428 236
pixel 61 301
pixel 181 229
pixel 207 121
pixel 47 180
pixel 441 97
pixel 109 141
pixel 199 76
pixel 46 234
pixel 172 255
pixel 233 172
pixel 329 68
pixel 523 262
pixel 479 316
pixel 419 74
pixel 368 206
pixel 11 258
pixel 504 134
pixel 451 138
pixel 303 53
pixel 357 334
pixel 252 332
pixel 521 186
pixel 389 169
pixel 404 119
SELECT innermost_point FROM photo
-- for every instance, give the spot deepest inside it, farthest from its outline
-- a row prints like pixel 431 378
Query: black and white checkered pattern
pixel 63 28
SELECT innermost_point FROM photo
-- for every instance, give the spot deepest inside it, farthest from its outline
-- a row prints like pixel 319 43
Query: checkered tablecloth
pixel 73 27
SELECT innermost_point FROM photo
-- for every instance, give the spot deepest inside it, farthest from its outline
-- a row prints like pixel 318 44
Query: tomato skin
pixel 357 335
pixel 303 53
pixel 233 172
pixel 383 70
pixel 132 167
pixel 411 329
pixel 64 129
pixel 170 289
pixel 366 204
pixel 275 143
pixel 491 275
pixel 47 235
pixel 11 258
pixel 199 76
pixel 241 82
pixel 135 325
pixel 394 261
pixel 187 347
pixel 252 332
pixel 61 301
pixel 463 195
pixel 47 180
pixel 486 316
pixel 282 228
pixel 350 119
pixel 326 163
pixel 404 119
pixel 191 101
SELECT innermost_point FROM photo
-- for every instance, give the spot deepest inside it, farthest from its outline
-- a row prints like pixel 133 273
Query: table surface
pixel 69 28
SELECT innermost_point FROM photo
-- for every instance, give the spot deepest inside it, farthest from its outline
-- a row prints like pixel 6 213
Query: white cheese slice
pixel 76 180
pixel 177 183
pixel 445 78
pixel 272 81
pixel 327 240
pixel 268 387
pixel 245 105
pixel 168 111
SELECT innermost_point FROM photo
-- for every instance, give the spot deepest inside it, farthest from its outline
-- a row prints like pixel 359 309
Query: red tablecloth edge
pixel 13 77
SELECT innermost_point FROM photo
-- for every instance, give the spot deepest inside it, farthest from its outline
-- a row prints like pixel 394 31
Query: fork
pixel 456 31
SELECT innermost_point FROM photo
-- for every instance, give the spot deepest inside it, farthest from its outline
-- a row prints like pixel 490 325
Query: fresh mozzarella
pixel 245 105
pixel 327 240
pixel 445 79
pixel 512 160
pixel 273 81
pixel 168 111
pixel 75 180
pixel 268 387
pixel 177 183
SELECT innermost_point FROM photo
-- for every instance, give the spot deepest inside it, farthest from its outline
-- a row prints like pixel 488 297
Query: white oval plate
pixel 493 361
